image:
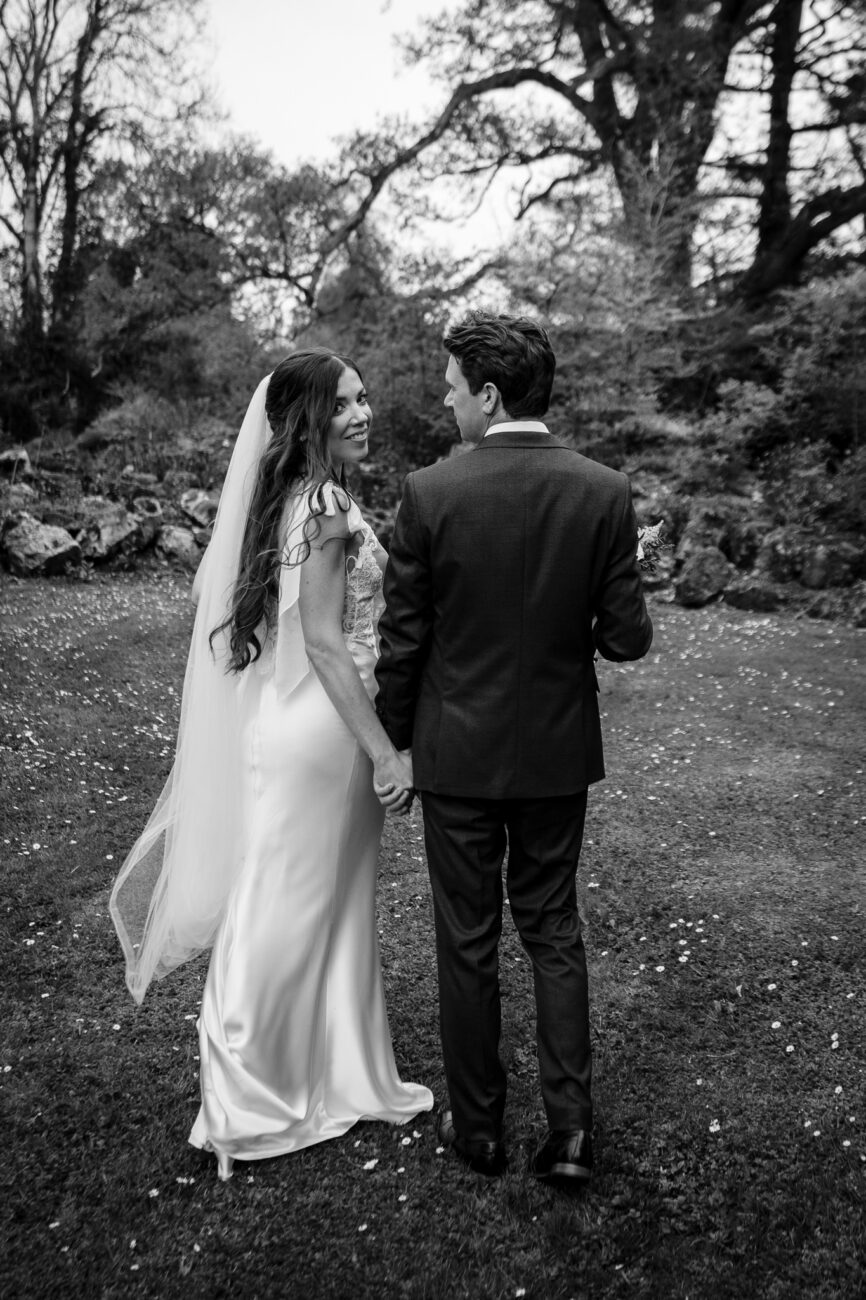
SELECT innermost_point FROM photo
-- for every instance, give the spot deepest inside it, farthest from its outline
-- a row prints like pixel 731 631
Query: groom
pixel 510 567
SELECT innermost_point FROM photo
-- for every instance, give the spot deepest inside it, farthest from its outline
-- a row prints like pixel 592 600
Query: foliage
pixel 190 262
pixel 698 112
pixel 816 343
pixel 797 425
pixel 722 930
pixel 720 458
pixel 173 271
pixel 157 314
pixel 149 435
pixel 396 338
pixel 76 75
pixel 811 486
pixel 274 228
pixel 620 348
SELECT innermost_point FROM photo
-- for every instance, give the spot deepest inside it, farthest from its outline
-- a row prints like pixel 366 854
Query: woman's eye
pixel 363 399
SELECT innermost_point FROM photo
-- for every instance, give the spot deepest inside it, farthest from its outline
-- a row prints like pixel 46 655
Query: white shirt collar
pixel 511 426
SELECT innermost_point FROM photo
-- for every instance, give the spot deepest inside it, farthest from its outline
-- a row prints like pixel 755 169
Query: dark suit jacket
pixel 500 561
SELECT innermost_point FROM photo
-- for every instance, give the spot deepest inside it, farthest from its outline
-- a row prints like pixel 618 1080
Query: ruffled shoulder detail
pixel 334 498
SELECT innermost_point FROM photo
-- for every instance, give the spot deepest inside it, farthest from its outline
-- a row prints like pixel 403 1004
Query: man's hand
pixel 394 783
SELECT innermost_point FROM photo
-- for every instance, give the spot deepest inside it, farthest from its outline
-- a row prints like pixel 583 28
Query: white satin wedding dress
pixel 294 1038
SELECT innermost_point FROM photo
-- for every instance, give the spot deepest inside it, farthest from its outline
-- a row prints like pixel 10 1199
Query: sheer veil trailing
pixel 168 899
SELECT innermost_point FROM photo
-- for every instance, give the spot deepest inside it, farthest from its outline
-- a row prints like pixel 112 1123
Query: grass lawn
pixel 722 884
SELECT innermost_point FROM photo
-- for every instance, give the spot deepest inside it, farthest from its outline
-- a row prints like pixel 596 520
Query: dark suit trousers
pixel 466 841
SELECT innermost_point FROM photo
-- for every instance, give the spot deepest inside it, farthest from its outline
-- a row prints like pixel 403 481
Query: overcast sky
pixel 296 73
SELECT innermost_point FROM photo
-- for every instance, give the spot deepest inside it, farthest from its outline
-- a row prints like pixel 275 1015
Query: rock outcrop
pixel 704 575
pixel 107 530
pixel 33 549
pixel 199 506
pixel 178 546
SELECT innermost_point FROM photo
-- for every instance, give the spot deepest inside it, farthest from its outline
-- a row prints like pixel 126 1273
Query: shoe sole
pixel 562 1169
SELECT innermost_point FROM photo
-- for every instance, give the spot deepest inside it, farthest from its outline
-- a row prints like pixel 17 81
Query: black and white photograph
pixel 433 649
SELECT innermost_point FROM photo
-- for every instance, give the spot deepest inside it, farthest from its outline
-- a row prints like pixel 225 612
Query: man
pixel 509 568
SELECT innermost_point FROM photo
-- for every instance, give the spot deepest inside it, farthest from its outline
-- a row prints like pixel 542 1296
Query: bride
pixel 264 841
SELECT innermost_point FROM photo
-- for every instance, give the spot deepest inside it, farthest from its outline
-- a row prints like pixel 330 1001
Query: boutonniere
pixel 650 543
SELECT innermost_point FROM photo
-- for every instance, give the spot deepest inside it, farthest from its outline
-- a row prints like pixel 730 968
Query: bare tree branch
pixel 816 220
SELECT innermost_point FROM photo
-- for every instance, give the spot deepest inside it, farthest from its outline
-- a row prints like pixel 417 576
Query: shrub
pixel 816 343
pixel 719 458
pixel 154 436
pixel 811 487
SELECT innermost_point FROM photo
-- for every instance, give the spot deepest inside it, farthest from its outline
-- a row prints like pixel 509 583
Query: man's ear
pixel 491 398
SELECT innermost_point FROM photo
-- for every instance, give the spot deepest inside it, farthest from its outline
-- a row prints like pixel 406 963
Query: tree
pixel 367 311
pixel 568 91
pixel 73 73
pixel 802 54
pixel 274 227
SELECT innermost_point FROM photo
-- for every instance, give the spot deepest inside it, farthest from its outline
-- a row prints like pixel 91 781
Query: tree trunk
pixel 774 213
pixel 32 318
pixel 79 132
pixel 64 285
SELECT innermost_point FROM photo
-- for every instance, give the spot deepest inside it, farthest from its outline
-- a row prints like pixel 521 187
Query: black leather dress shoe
pixel 483 1157
pixel 564 1157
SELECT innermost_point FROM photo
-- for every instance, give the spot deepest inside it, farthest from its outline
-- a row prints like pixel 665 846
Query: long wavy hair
pixel 300 404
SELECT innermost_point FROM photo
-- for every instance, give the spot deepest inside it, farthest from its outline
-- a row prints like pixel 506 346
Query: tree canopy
pixel 675 164
pixel 701 113
pixel 74 74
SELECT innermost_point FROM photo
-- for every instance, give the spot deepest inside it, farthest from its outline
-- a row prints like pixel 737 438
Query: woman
pixel 265 839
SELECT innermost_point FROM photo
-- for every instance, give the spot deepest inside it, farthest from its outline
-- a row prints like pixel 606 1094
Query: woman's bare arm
pixel 322 592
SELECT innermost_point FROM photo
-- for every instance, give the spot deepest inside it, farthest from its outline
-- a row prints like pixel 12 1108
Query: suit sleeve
pixel 623 629
pixel 406 625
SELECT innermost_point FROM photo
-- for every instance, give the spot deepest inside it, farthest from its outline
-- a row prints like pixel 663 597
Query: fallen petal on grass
pixel 782 878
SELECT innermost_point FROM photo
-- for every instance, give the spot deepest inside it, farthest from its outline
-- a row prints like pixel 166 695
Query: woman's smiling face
pixel 350 424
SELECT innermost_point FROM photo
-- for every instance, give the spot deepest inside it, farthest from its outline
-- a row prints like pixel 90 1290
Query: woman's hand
pixel 393 781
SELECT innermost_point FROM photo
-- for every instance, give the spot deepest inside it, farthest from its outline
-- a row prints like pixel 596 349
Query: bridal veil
pixel 169 897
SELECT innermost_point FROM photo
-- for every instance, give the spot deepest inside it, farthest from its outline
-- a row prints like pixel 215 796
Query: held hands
pixel 393 781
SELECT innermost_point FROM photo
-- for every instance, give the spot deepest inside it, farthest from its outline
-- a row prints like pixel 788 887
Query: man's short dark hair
pixel 512 352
